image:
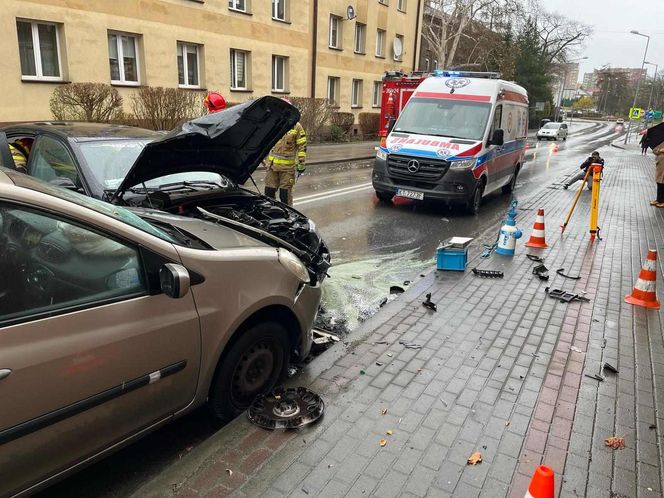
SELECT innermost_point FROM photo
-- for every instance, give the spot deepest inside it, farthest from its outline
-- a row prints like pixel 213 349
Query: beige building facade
pixel 241 48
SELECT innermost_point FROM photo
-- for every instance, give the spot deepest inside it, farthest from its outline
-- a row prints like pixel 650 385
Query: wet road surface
pixel 374 246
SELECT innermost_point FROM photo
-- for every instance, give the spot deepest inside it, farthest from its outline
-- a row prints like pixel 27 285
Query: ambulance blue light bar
pixel 444 73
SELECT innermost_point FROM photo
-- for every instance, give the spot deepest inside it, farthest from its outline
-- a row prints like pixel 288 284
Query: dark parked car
pixel 195 171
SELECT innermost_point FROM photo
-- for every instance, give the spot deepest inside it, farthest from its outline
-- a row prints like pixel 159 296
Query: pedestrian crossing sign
pixel 635 113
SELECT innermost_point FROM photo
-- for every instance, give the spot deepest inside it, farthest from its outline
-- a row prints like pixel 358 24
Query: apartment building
pixel 337 49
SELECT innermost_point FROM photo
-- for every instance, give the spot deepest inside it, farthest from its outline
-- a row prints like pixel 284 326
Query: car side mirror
pixel 498 137
pixel 64 182
pixel 174 280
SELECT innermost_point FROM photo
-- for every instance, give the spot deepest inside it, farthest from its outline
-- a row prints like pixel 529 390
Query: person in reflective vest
pixel 20 161
pixel 286 158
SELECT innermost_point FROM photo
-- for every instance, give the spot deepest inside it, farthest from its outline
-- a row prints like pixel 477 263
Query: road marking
pixel 331 194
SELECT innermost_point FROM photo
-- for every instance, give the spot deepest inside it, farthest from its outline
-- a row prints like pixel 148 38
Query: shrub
pixel 344 120
pixel 97 102
pixel 369 122
pixel 315 113
pixel 161 108
pixel 337 133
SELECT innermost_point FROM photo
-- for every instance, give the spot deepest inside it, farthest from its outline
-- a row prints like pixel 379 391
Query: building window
pixel 401 5
pixel 360 37
pixel 239 63
pixel 335 32
pixel 426 64
pixel 333 91
pixel 435 64
pixel 377 93
pixel 123 58
pixel 188 72
pixel 356 94
pixel 239 5
pixel 279 73
pixel 380 43
pixel 398 47
pixel 280 10
pixel 39 50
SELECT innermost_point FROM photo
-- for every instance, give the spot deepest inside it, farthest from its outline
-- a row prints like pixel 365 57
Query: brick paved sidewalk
pixel 501 371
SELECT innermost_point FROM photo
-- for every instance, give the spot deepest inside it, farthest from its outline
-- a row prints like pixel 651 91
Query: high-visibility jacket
pixel 20 161
pixel 290 150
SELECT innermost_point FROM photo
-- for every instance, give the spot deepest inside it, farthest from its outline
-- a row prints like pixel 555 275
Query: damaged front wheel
pixel 253 365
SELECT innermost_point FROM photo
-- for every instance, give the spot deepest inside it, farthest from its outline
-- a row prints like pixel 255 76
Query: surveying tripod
pixel 596 170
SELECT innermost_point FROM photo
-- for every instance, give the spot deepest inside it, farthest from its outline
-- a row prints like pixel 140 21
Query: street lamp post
pixel 638 81
pixel 654 80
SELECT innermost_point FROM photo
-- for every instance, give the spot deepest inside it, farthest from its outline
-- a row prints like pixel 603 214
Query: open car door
pixel 6 159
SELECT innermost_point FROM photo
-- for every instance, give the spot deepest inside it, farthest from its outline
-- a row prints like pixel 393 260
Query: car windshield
pixel 444 118
pixel 104 208
pixel 111 160
pixel 550 126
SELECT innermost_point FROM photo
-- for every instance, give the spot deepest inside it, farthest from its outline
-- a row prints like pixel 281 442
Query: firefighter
pixel 214 102
pixel 286 157
pixel 20 159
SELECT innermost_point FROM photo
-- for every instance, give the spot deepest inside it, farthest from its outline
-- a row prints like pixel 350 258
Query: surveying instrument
pixel 596 171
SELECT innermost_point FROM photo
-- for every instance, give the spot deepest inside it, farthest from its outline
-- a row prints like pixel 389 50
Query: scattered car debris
pixel 406 283
pixel 560 271
pixel 383 411
pixel 379 364
pixel 475 458
pixel 380 342
pixel 389 433
pixel 305 491
pixel 292 371
pixel 542 272
pixel 389 355
pixel 362 372
pixel 410 345
pixel 323 340
pixel 576 350
pixel 537 259
pixel 564 296
pixel 652 426
pixel 286 408
pixel 428 304
pixel 595 377
pixel 615 442
pixel 383 302
pixel 229 472
pixel 488 273
pixel 382 443
pixel 609 367
pixel 395 289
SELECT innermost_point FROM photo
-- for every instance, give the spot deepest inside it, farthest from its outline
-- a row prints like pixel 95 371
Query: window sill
pixel 398 60
pixel 335 106
pixel 242 90
pixel 238 11
pixel 338 49
pixel 40 80
pixel 280 92
pixel 359 53
pixel 356 107
pixel 194 88
pixel 380 56
pixel 402 11
pixel 125 83
pixel 283 21
pixel 373 106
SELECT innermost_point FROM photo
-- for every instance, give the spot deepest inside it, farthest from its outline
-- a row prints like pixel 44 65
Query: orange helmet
pixel 214 102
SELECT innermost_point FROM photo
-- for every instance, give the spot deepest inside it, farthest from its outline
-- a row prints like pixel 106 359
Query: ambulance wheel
pixel 385 197
pixel 474 203
pixel 512 184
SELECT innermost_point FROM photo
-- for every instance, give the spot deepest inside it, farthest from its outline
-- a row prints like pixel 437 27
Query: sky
pixel 612 21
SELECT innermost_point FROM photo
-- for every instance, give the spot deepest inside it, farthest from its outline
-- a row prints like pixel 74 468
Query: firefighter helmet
pixel 214 102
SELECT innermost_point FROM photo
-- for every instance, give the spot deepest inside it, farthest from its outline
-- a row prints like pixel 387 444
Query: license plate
pixel 410 194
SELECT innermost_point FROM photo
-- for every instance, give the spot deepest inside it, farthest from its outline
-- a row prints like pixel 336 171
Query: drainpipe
pixel 314 49
pixel 417 34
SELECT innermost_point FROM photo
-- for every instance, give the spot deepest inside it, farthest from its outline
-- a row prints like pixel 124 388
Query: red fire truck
pixel 398 87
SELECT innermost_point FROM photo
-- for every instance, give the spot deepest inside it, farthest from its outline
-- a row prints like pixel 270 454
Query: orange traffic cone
pixel 644 289
pixel 537 238
pixel 554 148
pixel 542 484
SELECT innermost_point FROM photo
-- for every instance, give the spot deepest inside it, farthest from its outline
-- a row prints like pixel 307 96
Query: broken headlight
pixel 293 264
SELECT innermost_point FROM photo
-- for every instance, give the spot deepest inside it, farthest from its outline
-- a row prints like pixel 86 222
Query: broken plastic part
pixel 542 272
pixel 560 271
pixel 488 273
pixel 609 367
pixel 428 304
pixel 532 257
pixel 563 296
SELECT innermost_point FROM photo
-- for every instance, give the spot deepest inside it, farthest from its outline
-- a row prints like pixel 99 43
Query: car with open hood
pixel 195 171
pixel 111 325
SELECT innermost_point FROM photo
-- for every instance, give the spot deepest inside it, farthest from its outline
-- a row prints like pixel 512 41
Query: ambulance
pixel 460 137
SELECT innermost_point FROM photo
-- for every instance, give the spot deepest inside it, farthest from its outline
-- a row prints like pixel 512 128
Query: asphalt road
pixel 373 247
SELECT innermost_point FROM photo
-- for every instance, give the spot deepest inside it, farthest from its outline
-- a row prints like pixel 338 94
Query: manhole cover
pixel 286 408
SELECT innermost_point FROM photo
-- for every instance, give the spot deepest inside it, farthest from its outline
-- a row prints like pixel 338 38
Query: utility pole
pixel 638 81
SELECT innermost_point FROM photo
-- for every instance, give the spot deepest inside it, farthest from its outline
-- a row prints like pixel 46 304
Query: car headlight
pixel 465 164
pixel 293 264
pixel 381 154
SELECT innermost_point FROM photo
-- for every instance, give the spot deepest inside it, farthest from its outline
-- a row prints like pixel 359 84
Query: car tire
pixel 565 138
pixel 385 197
pixel 474 203
pixel 539 139
pixel 509 188
pixel 253 365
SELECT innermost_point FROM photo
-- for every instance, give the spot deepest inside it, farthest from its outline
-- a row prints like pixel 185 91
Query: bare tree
pixel 161 108
pixel 560 36
pixel 94 102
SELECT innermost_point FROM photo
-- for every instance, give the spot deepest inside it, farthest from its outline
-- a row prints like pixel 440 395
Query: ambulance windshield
pixel 444 118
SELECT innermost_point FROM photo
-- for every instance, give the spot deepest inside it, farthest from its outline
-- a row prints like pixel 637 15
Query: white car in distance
pixel 553 131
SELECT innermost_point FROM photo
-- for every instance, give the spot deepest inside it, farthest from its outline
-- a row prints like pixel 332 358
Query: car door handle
pixel 4 373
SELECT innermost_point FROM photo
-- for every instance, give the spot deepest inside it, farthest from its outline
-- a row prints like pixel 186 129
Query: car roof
pixel 82 131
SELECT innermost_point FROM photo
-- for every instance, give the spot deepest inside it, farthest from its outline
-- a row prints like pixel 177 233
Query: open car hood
pixel 231 143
